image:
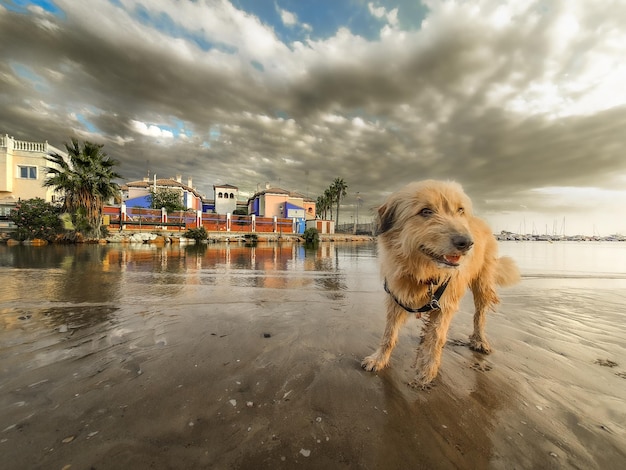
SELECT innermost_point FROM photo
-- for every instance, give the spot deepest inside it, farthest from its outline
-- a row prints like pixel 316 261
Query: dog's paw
pixel 372 363
pixel 479 344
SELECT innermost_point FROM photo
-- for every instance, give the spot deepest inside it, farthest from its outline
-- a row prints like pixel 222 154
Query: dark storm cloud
pixel 502 108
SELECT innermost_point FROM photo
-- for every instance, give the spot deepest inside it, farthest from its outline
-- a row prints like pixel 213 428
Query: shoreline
pixel 166 237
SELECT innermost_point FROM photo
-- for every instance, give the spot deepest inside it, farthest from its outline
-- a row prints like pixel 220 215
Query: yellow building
pixel 23 170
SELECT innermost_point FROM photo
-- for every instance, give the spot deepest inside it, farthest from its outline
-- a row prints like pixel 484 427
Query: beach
pixel 236 357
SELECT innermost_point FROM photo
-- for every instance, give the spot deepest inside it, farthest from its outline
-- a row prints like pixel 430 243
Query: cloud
pixel 507 97
pixel 288 18
pixel 381 13
pixel 151 130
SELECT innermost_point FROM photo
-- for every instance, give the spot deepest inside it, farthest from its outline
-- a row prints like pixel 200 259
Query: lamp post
pixel 356 219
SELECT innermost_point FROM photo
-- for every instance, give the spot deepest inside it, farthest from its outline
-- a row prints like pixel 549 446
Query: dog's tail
pixel 507 272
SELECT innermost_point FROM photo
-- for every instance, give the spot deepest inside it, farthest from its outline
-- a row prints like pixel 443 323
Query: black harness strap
pixel 433 303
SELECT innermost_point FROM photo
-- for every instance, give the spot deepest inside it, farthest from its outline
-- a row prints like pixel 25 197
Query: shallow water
pixel 173 336
pixel 567 259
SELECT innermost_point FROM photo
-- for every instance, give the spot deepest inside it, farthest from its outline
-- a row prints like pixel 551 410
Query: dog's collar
pixel 433 303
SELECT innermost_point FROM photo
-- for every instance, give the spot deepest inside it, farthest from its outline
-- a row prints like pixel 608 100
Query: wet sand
pixel 223 376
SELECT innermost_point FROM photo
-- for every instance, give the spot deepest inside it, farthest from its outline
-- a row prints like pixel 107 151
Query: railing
pixel 184 219
pixel 139 218
pixel 10 142
pixel 241 223
pixel 215 222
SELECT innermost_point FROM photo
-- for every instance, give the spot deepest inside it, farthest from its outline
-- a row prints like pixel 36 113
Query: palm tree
pixel 322 205
pixel 86 180
pixel 330 198
pixel 340 189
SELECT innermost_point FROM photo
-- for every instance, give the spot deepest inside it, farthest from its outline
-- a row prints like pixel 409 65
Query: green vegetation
pixel 86 181
pixel 198 234
pixel 339 188
pixel 332 197
pixel 36 218
pixel 311 236
pixel 169 198
pixel 324 204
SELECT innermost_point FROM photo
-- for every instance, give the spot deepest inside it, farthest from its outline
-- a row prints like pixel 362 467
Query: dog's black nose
pixel 462 242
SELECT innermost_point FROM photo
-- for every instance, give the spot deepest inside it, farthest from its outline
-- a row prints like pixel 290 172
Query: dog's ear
pixel 386 217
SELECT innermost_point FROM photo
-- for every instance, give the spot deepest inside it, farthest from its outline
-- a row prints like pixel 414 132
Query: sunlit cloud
pixel 506 97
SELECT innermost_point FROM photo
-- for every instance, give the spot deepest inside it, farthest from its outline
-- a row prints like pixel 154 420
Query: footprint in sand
pixel 605 362
pixel 458 342
pixel 481 367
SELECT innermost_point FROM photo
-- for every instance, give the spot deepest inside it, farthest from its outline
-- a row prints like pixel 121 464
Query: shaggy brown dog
pixel 431 246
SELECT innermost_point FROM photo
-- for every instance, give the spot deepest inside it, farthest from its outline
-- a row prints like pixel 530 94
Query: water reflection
pixel 56 273
pixel 75 286
pixel 103 274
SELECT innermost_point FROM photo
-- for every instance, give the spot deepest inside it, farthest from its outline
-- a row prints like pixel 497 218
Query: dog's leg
pixel 428 356
pixel 396 317
pixel 485 298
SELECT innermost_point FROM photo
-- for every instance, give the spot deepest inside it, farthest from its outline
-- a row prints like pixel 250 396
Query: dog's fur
pixel 427 234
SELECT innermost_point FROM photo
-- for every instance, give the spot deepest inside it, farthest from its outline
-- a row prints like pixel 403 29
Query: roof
pixel 291 194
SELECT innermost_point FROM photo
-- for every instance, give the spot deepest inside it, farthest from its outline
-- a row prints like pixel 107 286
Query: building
pixel 226 196
pixel 137 193
pixel 225 201
pixel 23 170
pixel 277 202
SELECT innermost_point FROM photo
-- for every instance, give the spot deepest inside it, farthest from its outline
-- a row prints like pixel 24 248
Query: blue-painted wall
pixel 142 201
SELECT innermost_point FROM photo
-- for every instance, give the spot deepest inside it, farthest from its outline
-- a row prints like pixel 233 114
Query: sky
pixel 522 102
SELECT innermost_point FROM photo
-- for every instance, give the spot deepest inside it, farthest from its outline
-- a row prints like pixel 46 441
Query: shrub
pixel 197 234
pixel 36 218
pixel 169 198
pixel 311 235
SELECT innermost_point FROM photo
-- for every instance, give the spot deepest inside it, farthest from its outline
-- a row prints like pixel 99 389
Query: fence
pixel 140 218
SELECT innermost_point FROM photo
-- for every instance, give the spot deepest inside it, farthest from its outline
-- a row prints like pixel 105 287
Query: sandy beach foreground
pixel 217 371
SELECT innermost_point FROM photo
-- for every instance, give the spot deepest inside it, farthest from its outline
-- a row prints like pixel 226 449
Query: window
pixel 232 196
pixel 5 212
pixel 28 172
pixel 219 195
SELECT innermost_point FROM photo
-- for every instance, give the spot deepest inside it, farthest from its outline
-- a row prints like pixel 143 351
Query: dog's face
pixel 428 220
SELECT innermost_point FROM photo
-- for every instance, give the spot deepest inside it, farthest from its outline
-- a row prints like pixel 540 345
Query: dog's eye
pixel 461 211
pixel 426 212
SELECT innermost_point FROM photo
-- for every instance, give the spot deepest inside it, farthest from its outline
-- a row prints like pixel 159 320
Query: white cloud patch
pixel 288 18
pixel 381 13
pixel 151 130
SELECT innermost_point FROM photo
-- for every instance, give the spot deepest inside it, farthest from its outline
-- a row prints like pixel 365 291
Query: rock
pixel 157 240
pixel 36 242
pixel 135 238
